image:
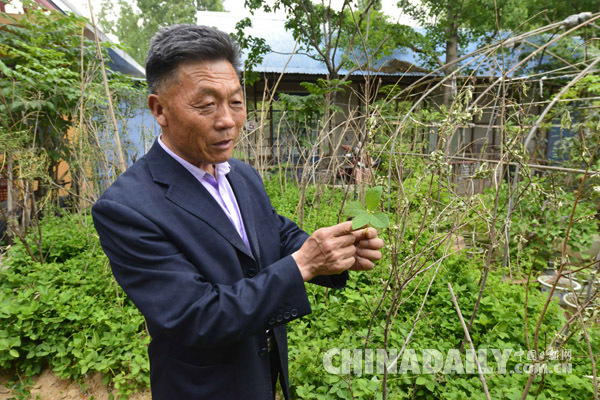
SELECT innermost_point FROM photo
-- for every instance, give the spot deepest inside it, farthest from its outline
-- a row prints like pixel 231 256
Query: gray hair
pixel 177 44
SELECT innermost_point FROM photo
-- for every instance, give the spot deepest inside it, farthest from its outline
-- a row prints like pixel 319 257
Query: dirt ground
pixel 48 386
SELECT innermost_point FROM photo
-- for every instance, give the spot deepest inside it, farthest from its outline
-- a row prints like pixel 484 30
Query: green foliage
pixel 582 119
pixel 309 107
pixel 367 214
pixel 484 21
pixel 304 114
pixel 337 36
pixel 346 316
pixel 321 208
pixel 53 107
pixel 543 212
pixel 137 23
pixel 40 84
pixel 69 314
pixel 255 48
pixel 556 10
pixel 356 317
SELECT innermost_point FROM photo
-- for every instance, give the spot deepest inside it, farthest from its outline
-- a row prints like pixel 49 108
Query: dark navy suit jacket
pixel 206 298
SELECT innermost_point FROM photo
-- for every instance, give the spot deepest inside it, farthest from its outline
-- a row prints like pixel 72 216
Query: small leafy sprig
pixel 367 214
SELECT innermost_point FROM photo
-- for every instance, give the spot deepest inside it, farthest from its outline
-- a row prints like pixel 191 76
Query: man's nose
pixel 225 118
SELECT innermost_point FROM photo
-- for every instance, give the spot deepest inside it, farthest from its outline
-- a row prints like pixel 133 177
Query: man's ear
pixel 157 109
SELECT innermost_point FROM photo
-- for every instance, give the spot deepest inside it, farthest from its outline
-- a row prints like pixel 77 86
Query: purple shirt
pixel 219 188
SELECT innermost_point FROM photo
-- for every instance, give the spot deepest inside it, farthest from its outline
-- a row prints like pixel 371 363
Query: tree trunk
pixel 11 213
pixel 451 57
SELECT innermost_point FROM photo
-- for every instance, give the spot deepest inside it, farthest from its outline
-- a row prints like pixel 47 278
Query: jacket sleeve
pixel 292 238
pixel 176 299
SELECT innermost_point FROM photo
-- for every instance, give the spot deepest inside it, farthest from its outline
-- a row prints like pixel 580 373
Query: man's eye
pixel 204 105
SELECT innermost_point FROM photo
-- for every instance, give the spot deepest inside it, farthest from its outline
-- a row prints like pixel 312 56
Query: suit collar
pixel 220 168
pixel 240 189
pixel 185 191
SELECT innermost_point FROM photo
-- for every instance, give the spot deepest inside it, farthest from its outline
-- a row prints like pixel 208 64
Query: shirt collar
pixel 221 169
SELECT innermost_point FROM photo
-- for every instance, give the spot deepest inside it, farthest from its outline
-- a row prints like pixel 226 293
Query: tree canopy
pixel 136 23
pixel 53 107
pixel 345 39
pixel 450 25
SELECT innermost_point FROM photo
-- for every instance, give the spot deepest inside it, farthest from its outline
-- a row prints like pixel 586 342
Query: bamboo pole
pixel 111 110
pixel 468 336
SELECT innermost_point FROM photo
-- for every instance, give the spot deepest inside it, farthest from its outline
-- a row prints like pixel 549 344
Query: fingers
pixel 342 229
pixel 367 233
pixel 362 264
pixel 346 260
pixel 327 251
pixel 346 240
pixel 338 248
pixel 369 254
pixel 348 251
pixel 343 257
pixel 337 260
pixel 374 244
pixel 367 251
pixel 329 243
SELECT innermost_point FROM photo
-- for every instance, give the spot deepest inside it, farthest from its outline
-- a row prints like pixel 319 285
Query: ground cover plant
pixel 67 313
pixel 359 319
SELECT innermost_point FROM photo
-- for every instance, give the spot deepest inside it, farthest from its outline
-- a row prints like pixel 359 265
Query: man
pixel 195 243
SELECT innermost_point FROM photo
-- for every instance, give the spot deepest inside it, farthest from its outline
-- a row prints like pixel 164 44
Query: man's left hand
pixel 367 249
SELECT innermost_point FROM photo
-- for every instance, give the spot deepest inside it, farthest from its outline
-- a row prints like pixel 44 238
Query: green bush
pixel 68 313
pixel 341 319
pixel 541 218
pixel 322 205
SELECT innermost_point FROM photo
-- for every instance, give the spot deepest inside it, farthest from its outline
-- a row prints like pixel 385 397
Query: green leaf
pixel 354 208
pixel 361 220
pixel 483 320
pixel 379 220
pixel 421 380
pixel 372 197
pixel 5 70
pixel 430 385
pixel 14 353
pixel 16 106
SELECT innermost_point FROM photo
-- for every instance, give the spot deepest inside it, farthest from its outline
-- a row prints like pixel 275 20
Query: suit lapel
pixel 244 203
pixel 189 194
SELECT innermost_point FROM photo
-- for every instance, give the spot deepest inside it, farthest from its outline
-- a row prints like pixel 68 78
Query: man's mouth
pixel 223 144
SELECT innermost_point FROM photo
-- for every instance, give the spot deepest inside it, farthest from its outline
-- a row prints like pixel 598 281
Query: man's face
pixel 201 113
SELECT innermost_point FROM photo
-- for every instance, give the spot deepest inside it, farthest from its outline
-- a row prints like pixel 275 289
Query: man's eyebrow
pixel 213 92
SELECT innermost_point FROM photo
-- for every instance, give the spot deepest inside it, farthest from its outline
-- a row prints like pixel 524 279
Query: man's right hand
pixel 328 251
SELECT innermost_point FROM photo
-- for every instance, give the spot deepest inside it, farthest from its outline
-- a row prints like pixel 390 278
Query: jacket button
pixel 251 272
pixel 272 321
pixel 279 318
pixel 294 312
pixel 286 315
pixel 263 351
